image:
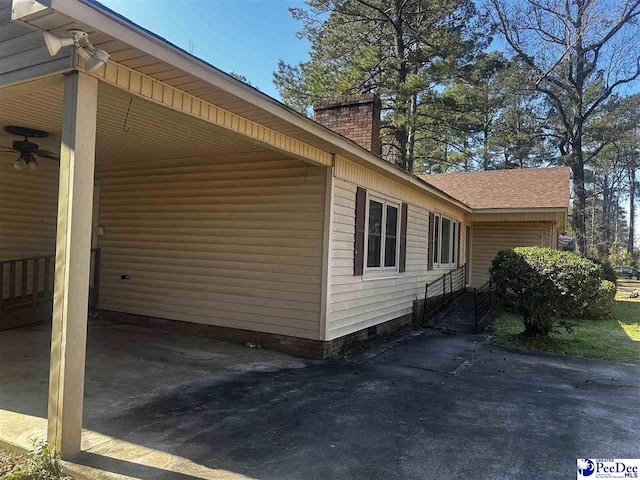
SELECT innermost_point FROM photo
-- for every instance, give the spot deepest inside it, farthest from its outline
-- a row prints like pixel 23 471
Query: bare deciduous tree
pixel 581 52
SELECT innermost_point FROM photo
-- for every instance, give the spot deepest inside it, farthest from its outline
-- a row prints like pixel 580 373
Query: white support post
pixel 73 253
pixel 327 240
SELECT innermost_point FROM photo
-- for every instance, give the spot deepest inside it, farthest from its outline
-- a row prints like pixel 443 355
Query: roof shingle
pixel 518 188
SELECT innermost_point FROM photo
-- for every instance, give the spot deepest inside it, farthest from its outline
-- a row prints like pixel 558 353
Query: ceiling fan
pixel 27 150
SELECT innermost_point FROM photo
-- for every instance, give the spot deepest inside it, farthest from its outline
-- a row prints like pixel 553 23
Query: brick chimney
pixel 356 117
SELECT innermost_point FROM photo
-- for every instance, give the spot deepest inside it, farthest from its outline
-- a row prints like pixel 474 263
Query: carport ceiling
pixel 60 24
pixel 152 132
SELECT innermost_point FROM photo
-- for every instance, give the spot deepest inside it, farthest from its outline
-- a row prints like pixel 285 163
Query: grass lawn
pixel 615 339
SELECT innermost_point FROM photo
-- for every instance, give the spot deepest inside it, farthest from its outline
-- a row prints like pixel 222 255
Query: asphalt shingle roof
pixel 517 188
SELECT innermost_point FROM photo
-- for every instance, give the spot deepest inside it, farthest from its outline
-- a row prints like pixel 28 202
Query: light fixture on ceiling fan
pixel 93 57
pixel 27 150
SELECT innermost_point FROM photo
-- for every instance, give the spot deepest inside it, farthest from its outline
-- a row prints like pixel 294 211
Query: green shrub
pixel 603 304
pixel 544 284
pixel 521 283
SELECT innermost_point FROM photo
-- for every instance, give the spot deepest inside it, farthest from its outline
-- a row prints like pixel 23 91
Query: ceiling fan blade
pixel 46 154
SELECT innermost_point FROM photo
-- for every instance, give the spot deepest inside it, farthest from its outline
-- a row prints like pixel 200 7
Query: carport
pixel 151 137
pixel 148 169
pixel 161 178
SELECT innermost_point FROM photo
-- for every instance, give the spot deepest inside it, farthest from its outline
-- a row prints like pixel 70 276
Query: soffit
pixel 135 59
pixel 152 132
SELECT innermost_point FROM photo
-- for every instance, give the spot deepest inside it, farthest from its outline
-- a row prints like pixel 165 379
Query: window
pixel 445 246
pixel 436 240
pixel 391 234
pixel 454 245
pixel 382 235
pixel 374 245
pixel 445 241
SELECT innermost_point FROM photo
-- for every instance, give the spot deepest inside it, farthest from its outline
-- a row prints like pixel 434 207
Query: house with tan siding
pixel 184 199
pixel 511 208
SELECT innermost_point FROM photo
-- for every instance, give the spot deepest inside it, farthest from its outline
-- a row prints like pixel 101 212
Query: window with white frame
pixel 445 242
pixel 383 231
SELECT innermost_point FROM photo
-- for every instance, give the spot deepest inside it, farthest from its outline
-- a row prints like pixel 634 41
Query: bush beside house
pixel 604 302
pixel 545 284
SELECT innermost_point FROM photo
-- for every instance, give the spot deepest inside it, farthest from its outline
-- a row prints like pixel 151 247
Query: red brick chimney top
pixel 356 117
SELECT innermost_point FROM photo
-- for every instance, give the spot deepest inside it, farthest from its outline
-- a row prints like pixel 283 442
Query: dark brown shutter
pixel 403 239
pixel 361 213
pixel 432 221
pixel 459 237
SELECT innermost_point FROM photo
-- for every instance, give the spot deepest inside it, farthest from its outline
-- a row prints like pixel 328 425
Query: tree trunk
pixel 603 248
pixel 401 137
pixel 485 149
pixel 580 200
pixel 616 227
pixel 486 128
pixel 411 134
pixel 632 209
pixel 401 133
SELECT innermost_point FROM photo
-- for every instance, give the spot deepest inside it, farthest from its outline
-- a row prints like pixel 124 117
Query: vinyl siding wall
pixel 23 53
pixel 356 303
pixel 489 238
pixel 233 241
pixel 28 212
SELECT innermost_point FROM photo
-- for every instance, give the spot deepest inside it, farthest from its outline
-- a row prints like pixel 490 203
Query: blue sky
pixel 244 36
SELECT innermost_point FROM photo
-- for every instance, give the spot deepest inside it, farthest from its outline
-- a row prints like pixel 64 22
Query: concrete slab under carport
pixel 127 366
pixel 432 407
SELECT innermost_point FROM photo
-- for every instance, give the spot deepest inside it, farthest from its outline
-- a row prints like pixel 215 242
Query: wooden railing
pixel 26 286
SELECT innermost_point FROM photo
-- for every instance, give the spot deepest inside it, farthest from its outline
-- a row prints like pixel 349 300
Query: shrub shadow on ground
pixel 616 338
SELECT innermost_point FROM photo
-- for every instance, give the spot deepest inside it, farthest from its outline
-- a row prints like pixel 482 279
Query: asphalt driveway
pixel 430 407
pixel 434 407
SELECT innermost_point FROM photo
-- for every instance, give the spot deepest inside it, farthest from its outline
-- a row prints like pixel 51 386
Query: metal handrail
pixel 457 276
pixel 483 300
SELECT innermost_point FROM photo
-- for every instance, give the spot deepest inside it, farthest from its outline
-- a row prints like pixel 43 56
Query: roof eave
pixel 96 15
pixel 521 210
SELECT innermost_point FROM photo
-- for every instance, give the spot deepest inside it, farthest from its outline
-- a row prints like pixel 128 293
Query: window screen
pixel 454 241
pixel 375 234
pixel 436 240
pixel 390 237
pixel 445 252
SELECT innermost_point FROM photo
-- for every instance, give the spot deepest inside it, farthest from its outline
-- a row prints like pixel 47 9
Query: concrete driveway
pixel 429 407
